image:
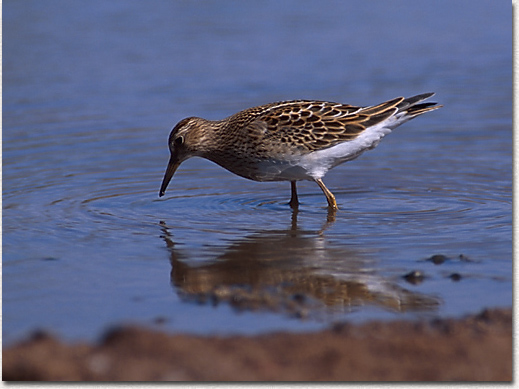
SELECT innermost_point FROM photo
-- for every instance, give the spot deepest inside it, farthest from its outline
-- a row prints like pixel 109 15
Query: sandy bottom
pixel 475 348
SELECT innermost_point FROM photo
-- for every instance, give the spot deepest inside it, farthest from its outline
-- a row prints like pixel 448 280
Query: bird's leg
pixel 294 201
pixel 332 204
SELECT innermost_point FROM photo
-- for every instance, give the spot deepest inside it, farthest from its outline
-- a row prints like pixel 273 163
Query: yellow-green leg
pixel 329 195
pixel 294 201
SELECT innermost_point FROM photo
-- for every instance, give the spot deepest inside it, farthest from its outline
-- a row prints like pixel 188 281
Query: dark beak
pixel 173 165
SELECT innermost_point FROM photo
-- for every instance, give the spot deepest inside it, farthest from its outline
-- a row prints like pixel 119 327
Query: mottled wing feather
pixel 313 125
pixel 377 109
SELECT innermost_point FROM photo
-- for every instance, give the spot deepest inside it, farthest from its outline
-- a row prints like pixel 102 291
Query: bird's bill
pixel 173 165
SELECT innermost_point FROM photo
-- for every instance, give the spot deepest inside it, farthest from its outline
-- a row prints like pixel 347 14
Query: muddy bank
pixel 476 348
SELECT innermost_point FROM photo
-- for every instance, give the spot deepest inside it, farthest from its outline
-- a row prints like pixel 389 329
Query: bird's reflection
pixel 293 271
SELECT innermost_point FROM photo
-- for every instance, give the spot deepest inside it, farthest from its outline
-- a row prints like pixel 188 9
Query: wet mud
pixel 474 348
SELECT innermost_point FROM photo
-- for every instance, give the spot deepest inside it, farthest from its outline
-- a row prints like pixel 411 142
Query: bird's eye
pixel 179 141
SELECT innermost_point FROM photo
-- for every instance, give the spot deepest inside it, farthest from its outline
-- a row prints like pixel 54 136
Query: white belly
pixel 316 164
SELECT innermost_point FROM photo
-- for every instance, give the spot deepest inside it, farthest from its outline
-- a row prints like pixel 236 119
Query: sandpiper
pixel 290 140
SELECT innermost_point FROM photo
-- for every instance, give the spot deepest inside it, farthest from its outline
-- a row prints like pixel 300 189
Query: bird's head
pixel 186 140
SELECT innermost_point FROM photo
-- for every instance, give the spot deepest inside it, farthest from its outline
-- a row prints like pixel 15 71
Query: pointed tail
pixel 412 106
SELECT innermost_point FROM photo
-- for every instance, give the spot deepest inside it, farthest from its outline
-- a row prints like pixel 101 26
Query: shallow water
pixel 91 92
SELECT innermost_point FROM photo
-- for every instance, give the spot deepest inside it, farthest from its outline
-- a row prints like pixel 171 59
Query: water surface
pixel 90 93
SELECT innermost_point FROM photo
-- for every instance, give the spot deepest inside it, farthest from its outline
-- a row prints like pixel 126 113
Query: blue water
pixel 92 89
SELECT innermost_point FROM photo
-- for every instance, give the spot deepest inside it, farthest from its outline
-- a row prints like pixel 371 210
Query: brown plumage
pixel 290 140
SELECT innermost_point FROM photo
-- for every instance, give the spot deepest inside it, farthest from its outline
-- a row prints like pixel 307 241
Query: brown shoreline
pixel 475 348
